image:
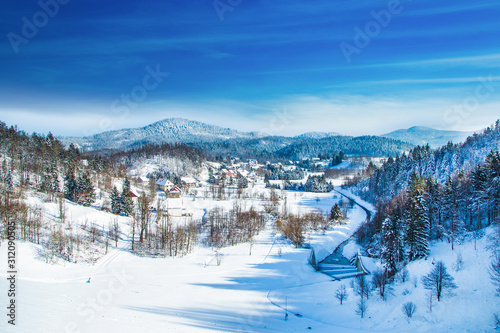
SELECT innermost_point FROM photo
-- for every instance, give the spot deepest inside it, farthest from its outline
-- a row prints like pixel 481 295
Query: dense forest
pixel 44 164
pixel 428 195
pixel 362 145
pixel 37 167
pixel 276 148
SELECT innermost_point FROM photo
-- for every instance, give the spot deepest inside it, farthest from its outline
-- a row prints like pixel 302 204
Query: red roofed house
pixel 174 192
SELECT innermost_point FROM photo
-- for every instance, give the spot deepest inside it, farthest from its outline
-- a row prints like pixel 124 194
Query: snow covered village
pixel 250 166
pixel 162 236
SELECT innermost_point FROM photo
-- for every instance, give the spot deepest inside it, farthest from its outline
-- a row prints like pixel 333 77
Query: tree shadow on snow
pixel 219 320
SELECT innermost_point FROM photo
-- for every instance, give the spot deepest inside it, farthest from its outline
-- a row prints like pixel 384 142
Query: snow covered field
pixel 245 293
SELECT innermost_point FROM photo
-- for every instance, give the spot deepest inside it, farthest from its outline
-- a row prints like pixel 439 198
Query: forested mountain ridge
pixel 440 164
pixel 170 130
pixel 215 140
pixel 362 145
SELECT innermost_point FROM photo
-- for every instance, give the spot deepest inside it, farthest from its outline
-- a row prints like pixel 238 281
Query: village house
pixel 143 180
pixel 174 192
pixel 188 182
pixel 164 184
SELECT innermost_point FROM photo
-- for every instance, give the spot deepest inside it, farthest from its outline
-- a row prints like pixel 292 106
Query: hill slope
pixel 215 140
pixel 169 130
pixel 419 135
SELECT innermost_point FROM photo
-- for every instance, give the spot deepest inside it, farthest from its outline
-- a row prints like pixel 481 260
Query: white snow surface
pixel 246 293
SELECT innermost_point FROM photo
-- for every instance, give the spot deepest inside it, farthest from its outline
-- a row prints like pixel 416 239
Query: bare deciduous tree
pixel 293 229
pixel 144 216
pixel 362 307
pixel 438 280
pixel 430 299
pixel 380 282
pixel 361 286
pixel 115 230
pixel 341 294
pixel 62 207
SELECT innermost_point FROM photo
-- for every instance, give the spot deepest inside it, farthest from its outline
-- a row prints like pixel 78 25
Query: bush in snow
pixel 293 228
pixel 409 309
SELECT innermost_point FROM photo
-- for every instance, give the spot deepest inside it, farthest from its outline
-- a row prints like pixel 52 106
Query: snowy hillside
pixel 244 293
pixel 214 140
pixel 243 246
pixel 171 130
pixel 419 135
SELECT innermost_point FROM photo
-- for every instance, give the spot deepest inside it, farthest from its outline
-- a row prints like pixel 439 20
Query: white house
pixel 188 182
pixel 143 180
pixel 164 184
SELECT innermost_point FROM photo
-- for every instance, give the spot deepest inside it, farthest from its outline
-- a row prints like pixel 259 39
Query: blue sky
pixel 269 65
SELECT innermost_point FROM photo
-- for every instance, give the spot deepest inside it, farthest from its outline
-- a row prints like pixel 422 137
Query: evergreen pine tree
pixel 115 201
pixel 70 186
pixel 85 190
pixel 479 181
pixel 454 225
pixel 493 185
pixel 211 178
pixel 434 198
pixel 127 203
pixel 417 220
pixel 393 244
pixel 335 213
pixel 54 179
pixel 266 180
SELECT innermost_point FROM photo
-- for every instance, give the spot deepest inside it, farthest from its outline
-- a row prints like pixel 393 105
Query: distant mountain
pixel 419 136
pixel 317 135
pixel 219 141
pixel 169 130
pixel 361 145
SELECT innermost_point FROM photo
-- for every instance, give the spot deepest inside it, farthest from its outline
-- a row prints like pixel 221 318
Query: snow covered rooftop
pixel 188 180
pixel 164 182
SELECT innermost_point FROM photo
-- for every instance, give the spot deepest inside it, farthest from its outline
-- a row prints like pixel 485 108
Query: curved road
pixel 338 250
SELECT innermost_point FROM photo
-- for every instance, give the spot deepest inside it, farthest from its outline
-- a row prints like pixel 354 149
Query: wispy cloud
pixel 487 60
pixel 431 80
pixel 440 9
pixel 360 115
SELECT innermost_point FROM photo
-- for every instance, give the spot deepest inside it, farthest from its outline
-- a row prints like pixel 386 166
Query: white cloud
pixel 346 114
pixel 358 115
